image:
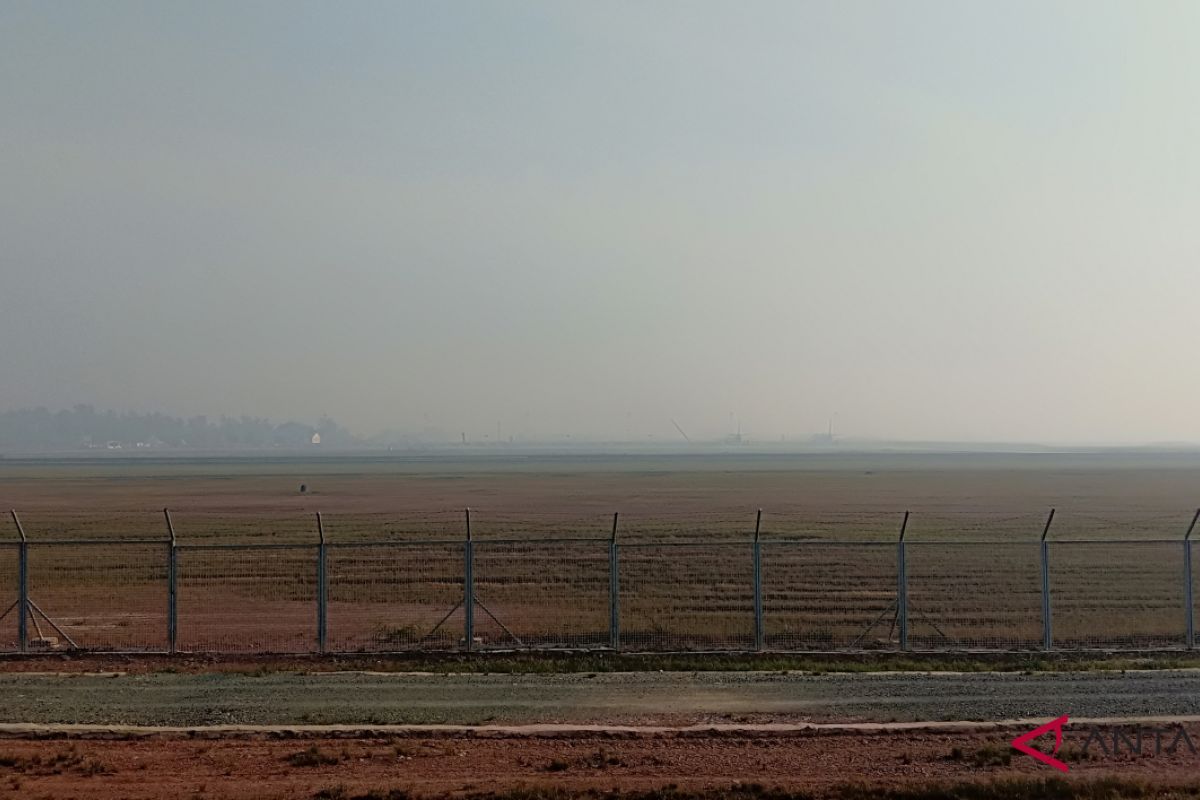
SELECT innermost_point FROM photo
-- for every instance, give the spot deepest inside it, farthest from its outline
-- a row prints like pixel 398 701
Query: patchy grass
pixel 600 759
pixel 1016 789
pixel 312 757
pixel 64 761
pixel 1023 789
pixel 990 755
pixel 607 662
pixel 549 663
pixel 340 793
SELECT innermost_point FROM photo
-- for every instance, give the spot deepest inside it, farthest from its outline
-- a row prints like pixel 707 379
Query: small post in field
pixel 469 587
pixel 758 595
pixel 614 589
pixel 22 586
pixel 1047 626
pixel 902 584
pixel 322 587
pixel 172 586
pixel 1189 611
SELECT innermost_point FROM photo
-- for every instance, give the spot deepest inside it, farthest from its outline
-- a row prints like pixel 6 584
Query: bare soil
pixel 594 487
pixel 440 765
pixel 681 597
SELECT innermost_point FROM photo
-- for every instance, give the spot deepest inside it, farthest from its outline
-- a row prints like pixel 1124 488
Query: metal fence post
pixel 22 586
pixel 758 596
pixel 469 587
pixel 322 587
pixel 614 589
pixel 902 584
pixel 172 587
pixel 1189 612
pixel 1047 626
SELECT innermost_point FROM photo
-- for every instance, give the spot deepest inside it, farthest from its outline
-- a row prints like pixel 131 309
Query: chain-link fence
pixel 223 584
pixel 686 596
pixel 823 595
pixel 393 596
pixel 9 596
pixel 98 595
pixel 247 598
pixel 1118 595
pixel 974 595
pixel 541 594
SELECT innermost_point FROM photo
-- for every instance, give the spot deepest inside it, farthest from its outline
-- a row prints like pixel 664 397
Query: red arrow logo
pixel 1055 725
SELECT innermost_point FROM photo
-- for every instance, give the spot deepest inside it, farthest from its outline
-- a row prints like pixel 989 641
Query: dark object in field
pixel 304 488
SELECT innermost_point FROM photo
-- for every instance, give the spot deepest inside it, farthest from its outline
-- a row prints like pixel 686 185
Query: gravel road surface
pixel 631 698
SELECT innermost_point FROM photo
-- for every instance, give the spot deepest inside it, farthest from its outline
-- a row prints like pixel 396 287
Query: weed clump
pixel 312 757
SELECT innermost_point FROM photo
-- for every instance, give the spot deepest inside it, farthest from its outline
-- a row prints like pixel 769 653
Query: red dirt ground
pixel 439 765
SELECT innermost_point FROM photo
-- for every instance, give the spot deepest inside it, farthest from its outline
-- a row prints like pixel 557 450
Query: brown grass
pixel 674 595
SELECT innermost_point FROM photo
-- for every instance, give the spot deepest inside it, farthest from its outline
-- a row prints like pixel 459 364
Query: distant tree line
pixel 84 427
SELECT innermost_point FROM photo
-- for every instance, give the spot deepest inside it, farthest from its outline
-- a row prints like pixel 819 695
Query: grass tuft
pixel 1014 789
pixel 312 757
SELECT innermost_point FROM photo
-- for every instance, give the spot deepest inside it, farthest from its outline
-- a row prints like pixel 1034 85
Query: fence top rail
pixel 249 546
pixel 1160 540
pixel 766 540
pixel 458 542
pixel 747 542
pixel 634 541
pixel 40 542
pixel 972 542
pixel 546 540
pixel 364 543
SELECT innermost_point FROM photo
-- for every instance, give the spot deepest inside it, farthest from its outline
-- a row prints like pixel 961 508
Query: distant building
pixel 316 438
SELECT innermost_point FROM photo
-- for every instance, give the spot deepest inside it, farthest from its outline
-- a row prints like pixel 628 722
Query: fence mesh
pixel 393 527
pixel 8 597
pixel 244 599
pixel 695 526
pixel 245 527
pixel 1195 581
pixel 1121 525
pixel 1117 594
pixel 687 596
pixel 247 581
pixel 539 525
pixel 549 594
pixel 390 597
pixel 974 595
pixel 975 525
pixel 829 595
pixel 98 596
pixel 842 526
pixel 109 524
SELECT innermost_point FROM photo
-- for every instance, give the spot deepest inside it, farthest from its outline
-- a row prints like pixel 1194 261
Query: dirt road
pixel 740 734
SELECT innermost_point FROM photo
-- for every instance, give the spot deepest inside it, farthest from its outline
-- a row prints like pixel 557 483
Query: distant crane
pixel 681 433
pixel 827 437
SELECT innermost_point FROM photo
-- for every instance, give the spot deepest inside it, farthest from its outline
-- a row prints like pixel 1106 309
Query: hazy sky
pixel 950 220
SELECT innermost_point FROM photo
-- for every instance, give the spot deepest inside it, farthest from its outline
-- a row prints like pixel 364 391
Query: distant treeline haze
pixel 83 426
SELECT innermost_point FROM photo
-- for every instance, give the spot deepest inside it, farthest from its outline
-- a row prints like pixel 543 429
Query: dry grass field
pixel 685 527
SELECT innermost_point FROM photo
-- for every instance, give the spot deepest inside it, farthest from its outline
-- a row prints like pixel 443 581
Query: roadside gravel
pixel 630 698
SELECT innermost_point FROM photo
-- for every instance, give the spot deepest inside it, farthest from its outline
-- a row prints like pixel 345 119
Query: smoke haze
pixel 953 221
